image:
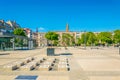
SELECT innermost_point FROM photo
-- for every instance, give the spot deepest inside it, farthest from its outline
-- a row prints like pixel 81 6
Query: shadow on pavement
pixel 4 53
pixel 65 54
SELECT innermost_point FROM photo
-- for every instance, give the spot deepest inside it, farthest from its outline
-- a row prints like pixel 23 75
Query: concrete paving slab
pixel 104 77
pixel 99 64
pixel 89 64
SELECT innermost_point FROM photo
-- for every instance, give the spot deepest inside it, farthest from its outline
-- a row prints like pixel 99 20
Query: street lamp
pixel 13 42
pixel 85 39
pixel 119 49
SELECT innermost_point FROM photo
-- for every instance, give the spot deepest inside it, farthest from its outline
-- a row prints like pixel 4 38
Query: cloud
pixel 41 28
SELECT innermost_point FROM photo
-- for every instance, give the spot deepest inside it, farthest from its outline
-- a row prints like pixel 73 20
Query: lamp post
pixel 85 39
pixel 119 49
pixel 13 41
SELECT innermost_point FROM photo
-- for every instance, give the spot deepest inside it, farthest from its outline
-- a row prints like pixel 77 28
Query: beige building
pixel 41 40
pixel 67 31
pixel 28 32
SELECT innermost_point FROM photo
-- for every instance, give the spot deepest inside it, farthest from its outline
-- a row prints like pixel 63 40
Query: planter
pixel 50 51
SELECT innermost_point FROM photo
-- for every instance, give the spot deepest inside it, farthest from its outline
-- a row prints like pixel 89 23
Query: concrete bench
pixel 42 60
pixel 43 68
pixel 28 67
pixel 63 68
pixel 50 59
pixel 47 63
pixel 63 59
pixel 10 67
pixel 14 65
pixel 27 60
pixel 19 63
pixel 64 63
pixel 36 61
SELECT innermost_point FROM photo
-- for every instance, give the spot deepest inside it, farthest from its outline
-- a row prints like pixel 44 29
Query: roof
pixel 5 36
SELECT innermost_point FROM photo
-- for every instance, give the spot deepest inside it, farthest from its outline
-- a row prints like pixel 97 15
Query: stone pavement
pixel 101 64
pixel 90 64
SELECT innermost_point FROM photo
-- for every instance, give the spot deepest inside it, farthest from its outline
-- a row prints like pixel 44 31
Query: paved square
pixel 89 64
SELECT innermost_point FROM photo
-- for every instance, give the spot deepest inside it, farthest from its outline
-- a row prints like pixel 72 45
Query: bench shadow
pixel 65 54
pixel 4 53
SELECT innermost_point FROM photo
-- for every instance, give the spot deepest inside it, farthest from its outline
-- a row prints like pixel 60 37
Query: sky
pixel 53 15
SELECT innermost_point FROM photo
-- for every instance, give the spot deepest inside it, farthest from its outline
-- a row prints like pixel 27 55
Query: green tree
pixel 55 43
pixel 91 38
pixel 116 36
pixel 52 37
pixel 83 38
pixel 78 41
pixel 67 39
pixel 105 37
pixel 19 31
pixel 88 38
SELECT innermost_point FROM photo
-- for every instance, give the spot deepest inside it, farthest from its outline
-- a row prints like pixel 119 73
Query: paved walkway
pixel 90 64
pixel 101 64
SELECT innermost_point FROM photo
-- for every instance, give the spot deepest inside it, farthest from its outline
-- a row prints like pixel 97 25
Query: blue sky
pixel 52 15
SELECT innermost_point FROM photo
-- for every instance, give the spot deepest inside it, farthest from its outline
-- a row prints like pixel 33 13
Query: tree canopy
pixel 52 36
pixel 67 39
pixel 19 31
pixel 105 37
pixel 91 38
pixel 117 36
pixel 88 38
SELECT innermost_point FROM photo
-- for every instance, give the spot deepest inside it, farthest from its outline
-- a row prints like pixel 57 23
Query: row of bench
pixel 63 64
pixel 17 64
pixel 40 64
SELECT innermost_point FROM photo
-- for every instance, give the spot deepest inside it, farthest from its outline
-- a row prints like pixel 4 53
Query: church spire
pixel 67 28
pixel 37 30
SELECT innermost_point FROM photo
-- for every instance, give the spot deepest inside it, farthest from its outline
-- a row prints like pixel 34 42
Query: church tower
pixel 67 28
pixel 37 30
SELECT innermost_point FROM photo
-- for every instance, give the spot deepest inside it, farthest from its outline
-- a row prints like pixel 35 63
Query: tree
pixel 116 36
pixel 105 37
pixel 67 39
pixel 78 41
pixel 91 38
pixel 52 36
pixel 83 38
pixel 88 38
pixel 19 31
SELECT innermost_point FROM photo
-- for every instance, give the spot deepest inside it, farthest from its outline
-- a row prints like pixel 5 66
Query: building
pixel 28 32
pixel 67 31
pixel 2 24
pixel 7 38
pixel 4 27
pixel 35 37
pixel 13 24
pixel 8 26
pixel 67 28
pixel 42 41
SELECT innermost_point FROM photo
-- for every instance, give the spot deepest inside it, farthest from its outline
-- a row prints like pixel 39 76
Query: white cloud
pixel 41 28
